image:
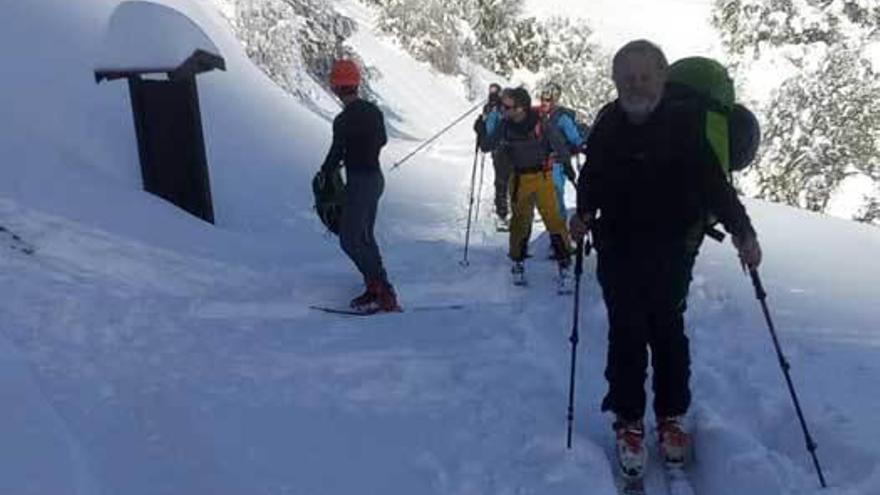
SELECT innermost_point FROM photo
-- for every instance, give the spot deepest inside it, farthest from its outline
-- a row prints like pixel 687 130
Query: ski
pixel 677 480
pixel 631 462
pixel 354 312
pixel 16 242
pixel 631 486
pixel 629 483
pixel 675 470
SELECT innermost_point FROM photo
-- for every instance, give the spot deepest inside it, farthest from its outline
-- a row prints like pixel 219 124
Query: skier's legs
pixel 627 361
pixel 362 193
pixel 548 207
pixel 502 180
pixel 670 352
pixel 522 199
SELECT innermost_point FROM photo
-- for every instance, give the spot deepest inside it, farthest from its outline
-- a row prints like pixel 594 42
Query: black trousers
pixel 362 193
pixel 645 292
pixel 502 178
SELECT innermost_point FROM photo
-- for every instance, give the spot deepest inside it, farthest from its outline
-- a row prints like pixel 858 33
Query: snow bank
pixel 143 35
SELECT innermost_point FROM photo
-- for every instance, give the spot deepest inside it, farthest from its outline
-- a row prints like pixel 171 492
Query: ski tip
pixel 632 486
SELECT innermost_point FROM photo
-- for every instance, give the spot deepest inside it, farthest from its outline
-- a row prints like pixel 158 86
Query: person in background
pixel 485 124
pixel 522 140
pixel 358 137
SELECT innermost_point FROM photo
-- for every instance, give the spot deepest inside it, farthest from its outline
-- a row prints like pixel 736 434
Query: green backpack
pixel 732 129
pixel 329 191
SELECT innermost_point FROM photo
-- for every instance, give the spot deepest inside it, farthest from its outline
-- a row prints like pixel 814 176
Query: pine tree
pixel 293 41
pixel 577 65
pixel 822 125
pixel 429 29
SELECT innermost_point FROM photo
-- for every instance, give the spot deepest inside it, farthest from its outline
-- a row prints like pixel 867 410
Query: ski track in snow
pixel 189 363
pixel 218 380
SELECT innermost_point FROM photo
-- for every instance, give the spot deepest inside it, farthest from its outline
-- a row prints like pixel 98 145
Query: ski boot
pixel 518 273
pixel 378 298
pixel 386 299
pixel 367 300
pixel 564 282
pixel 631 452
pixel 673 440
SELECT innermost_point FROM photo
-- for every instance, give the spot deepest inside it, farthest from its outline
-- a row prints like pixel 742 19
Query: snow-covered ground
pixel 144 352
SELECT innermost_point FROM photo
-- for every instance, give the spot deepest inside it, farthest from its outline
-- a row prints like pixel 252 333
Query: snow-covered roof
pixel 144 36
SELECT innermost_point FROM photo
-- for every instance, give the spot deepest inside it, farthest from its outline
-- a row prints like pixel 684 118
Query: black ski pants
pixel 362 193
pixel 502 178
pixel 645 292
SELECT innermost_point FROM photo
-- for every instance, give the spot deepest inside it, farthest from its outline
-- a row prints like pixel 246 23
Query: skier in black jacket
pixel 358 137
pixel 650 181
pixel 484 125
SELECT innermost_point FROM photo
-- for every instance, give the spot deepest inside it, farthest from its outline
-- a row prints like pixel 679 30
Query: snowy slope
pixel 143 352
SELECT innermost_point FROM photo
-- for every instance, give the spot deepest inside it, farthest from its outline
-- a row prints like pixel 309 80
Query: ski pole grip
pixel 756 281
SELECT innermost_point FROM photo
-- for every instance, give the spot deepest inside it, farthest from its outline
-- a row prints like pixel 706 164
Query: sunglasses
pixel 508 107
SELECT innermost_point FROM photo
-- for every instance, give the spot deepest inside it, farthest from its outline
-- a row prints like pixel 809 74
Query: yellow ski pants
pixel 528 190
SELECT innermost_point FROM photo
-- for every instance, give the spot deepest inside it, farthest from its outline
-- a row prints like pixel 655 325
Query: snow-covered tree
pixel 429 29
pixel 578 65
pixel 494 34
pixel 870 211
pixel 293 41
pixel 822 124
pixel 821 128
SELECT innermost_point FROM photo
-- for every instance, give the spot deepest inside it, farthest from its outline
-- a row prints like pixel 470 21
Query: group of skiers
pixel 655 178
pixel 532 149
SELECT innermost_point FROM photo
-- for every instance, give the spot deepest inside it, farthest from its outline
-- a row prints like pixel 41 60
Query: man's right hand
pixel 579 225
pixel 749 250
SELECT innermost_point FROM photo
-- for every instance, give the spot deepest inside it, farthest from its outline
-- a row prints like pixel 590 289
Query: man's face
pixel 511 110
pixel 494 94
pixel 639 81
pixel 547 104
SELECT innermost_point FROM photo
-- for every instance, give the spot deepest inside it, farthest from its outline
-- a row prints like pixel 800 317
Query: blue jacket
pixel 492 121
pixel 567 125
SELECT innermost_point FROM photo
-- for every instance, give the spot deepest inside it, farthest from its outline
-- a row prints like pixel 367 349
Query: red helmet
pixel 345 73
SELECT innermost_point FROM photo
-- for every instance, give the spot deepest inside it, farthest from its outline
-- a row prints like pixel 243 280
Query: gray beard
pixel 640 109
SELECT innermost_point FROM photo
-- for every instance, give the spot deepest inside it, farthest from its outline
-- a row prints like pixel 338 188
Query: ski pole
pixel 574 338
pixel 467 235
pixel 480 187
pixel 811 445
pixel 435 136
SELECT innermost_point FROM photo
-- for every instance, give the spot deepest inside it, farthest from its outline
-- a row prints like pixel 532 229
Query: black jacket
pixel 527 145
pixel 656 182
pixel 358 136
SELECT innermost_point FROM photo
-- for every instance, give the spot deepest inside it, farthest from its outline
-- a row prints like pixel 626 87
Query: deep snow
pixel 143 351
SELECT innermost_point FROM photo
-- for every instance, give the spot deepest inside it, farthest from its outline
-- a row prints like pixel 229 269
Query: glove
pixel 749 250
pixel 579 224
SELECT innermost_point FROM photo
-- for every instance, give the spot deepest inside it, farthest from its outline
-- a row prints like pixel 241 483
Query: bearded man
pixel 650 183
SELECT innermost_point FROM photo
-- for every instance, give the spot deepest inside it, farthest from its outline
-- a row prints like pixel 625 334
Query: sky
pixel 680 27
